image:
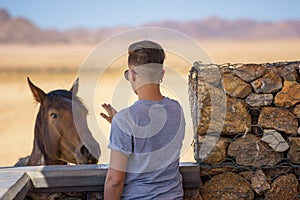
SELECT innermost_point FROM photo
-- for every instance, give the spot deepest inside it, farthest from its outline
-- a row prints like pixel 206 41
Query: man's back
pixel 150 133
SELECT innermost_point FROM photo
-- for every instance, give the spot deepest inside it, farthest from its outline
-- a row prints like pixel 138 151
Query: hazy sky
pixel 65 14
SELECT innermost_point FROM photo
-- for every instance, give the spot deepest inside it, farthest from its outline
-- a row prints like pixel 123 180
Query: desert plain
pixel 56 66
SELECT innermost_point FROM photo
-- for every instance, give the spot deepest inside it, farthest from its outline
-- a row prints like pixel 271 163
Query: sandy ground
pixel 56 66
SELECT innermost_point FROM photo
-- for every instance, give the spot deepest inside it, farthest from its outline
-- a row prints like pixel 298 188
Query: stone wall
pixel 246 124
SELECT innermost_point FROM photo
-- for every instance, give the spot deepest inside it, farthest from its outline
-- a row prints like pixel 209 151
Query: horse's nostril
pixel 85 153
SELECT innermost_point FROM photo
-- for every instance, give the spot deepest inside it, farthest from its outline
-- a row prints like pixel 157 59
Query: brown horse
pixel 61 134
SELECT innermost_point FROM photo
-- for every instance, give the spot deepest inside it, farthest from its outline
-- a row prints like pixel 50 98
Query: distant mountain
pixel 245 28
pixel 20 30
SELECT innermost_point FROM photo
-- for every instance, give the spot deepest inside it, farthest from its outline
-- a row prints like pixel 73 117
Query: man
pixel 146 137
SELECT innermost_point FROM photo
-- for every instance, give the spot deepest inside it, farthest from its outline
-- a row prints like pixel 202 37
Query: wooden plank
pixel 82 179
pixel 68 178
pixel 76 178
pixel 24 191
pixel 14 184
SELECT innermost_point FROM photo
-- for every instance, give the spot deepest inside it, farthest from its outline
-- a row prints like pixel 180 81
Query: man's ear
pixel 133 76
pixel 162 75
pixel 74 88
pixel 38 94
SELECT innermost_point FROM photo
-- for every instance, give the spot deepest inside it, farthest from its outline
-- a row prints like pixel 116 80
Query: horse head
pixel 61 133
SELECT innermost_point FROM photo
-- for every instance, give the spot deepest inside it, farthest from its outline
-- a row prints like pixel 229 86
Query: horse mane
pixel 66 95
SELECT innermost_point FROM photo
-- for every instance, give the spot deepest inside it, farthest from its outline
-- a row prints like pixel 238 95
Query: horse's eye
pixel 53 115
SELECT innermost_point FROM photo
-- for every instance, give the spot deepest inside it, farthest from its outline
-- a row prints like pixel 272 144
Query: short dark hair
pixel 144 52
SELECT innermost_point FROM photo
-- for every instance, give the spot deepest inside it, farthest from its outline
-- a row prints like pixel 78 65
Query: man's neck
pixel 150 92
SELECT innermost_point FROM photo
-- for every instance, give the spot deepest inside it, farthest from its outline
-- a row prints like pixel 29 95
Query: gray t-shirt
pixel 150 133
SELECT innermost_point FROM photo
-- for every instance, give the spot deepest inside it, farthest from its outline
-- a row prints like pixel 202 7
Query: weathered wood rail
pixel 16 182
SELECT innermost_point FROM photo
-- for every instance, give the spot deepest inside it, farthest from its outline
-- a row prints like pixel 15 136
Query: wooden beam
pixel 14 185
pixel 72 178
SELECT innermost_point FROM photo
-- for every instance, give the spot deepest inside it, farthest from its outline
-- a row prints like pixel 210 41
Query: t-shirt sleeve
pixel 120 137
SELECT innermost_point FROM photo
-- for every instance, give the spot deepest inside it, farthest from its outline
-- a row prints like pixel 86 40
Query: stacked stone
pixel 247 123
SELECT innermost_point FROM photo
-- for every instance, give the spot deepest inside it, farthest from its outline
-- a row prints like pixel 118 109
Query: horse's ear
pixel 38 94
pixel 74 88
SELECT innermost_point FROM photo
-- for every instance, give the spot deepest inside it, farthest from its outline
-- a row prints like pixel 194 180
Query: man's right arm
pixel 116 175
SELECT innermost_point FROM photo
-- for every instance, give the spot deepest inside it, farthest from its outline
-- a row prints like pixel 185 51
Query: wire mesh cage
pixel 246 129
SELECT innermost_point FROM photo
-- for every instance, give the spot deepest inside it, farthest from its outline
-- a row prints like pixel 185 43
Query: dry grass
pixel 220 51
pixel 44 56
pixel 252 51
pixel 18 109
